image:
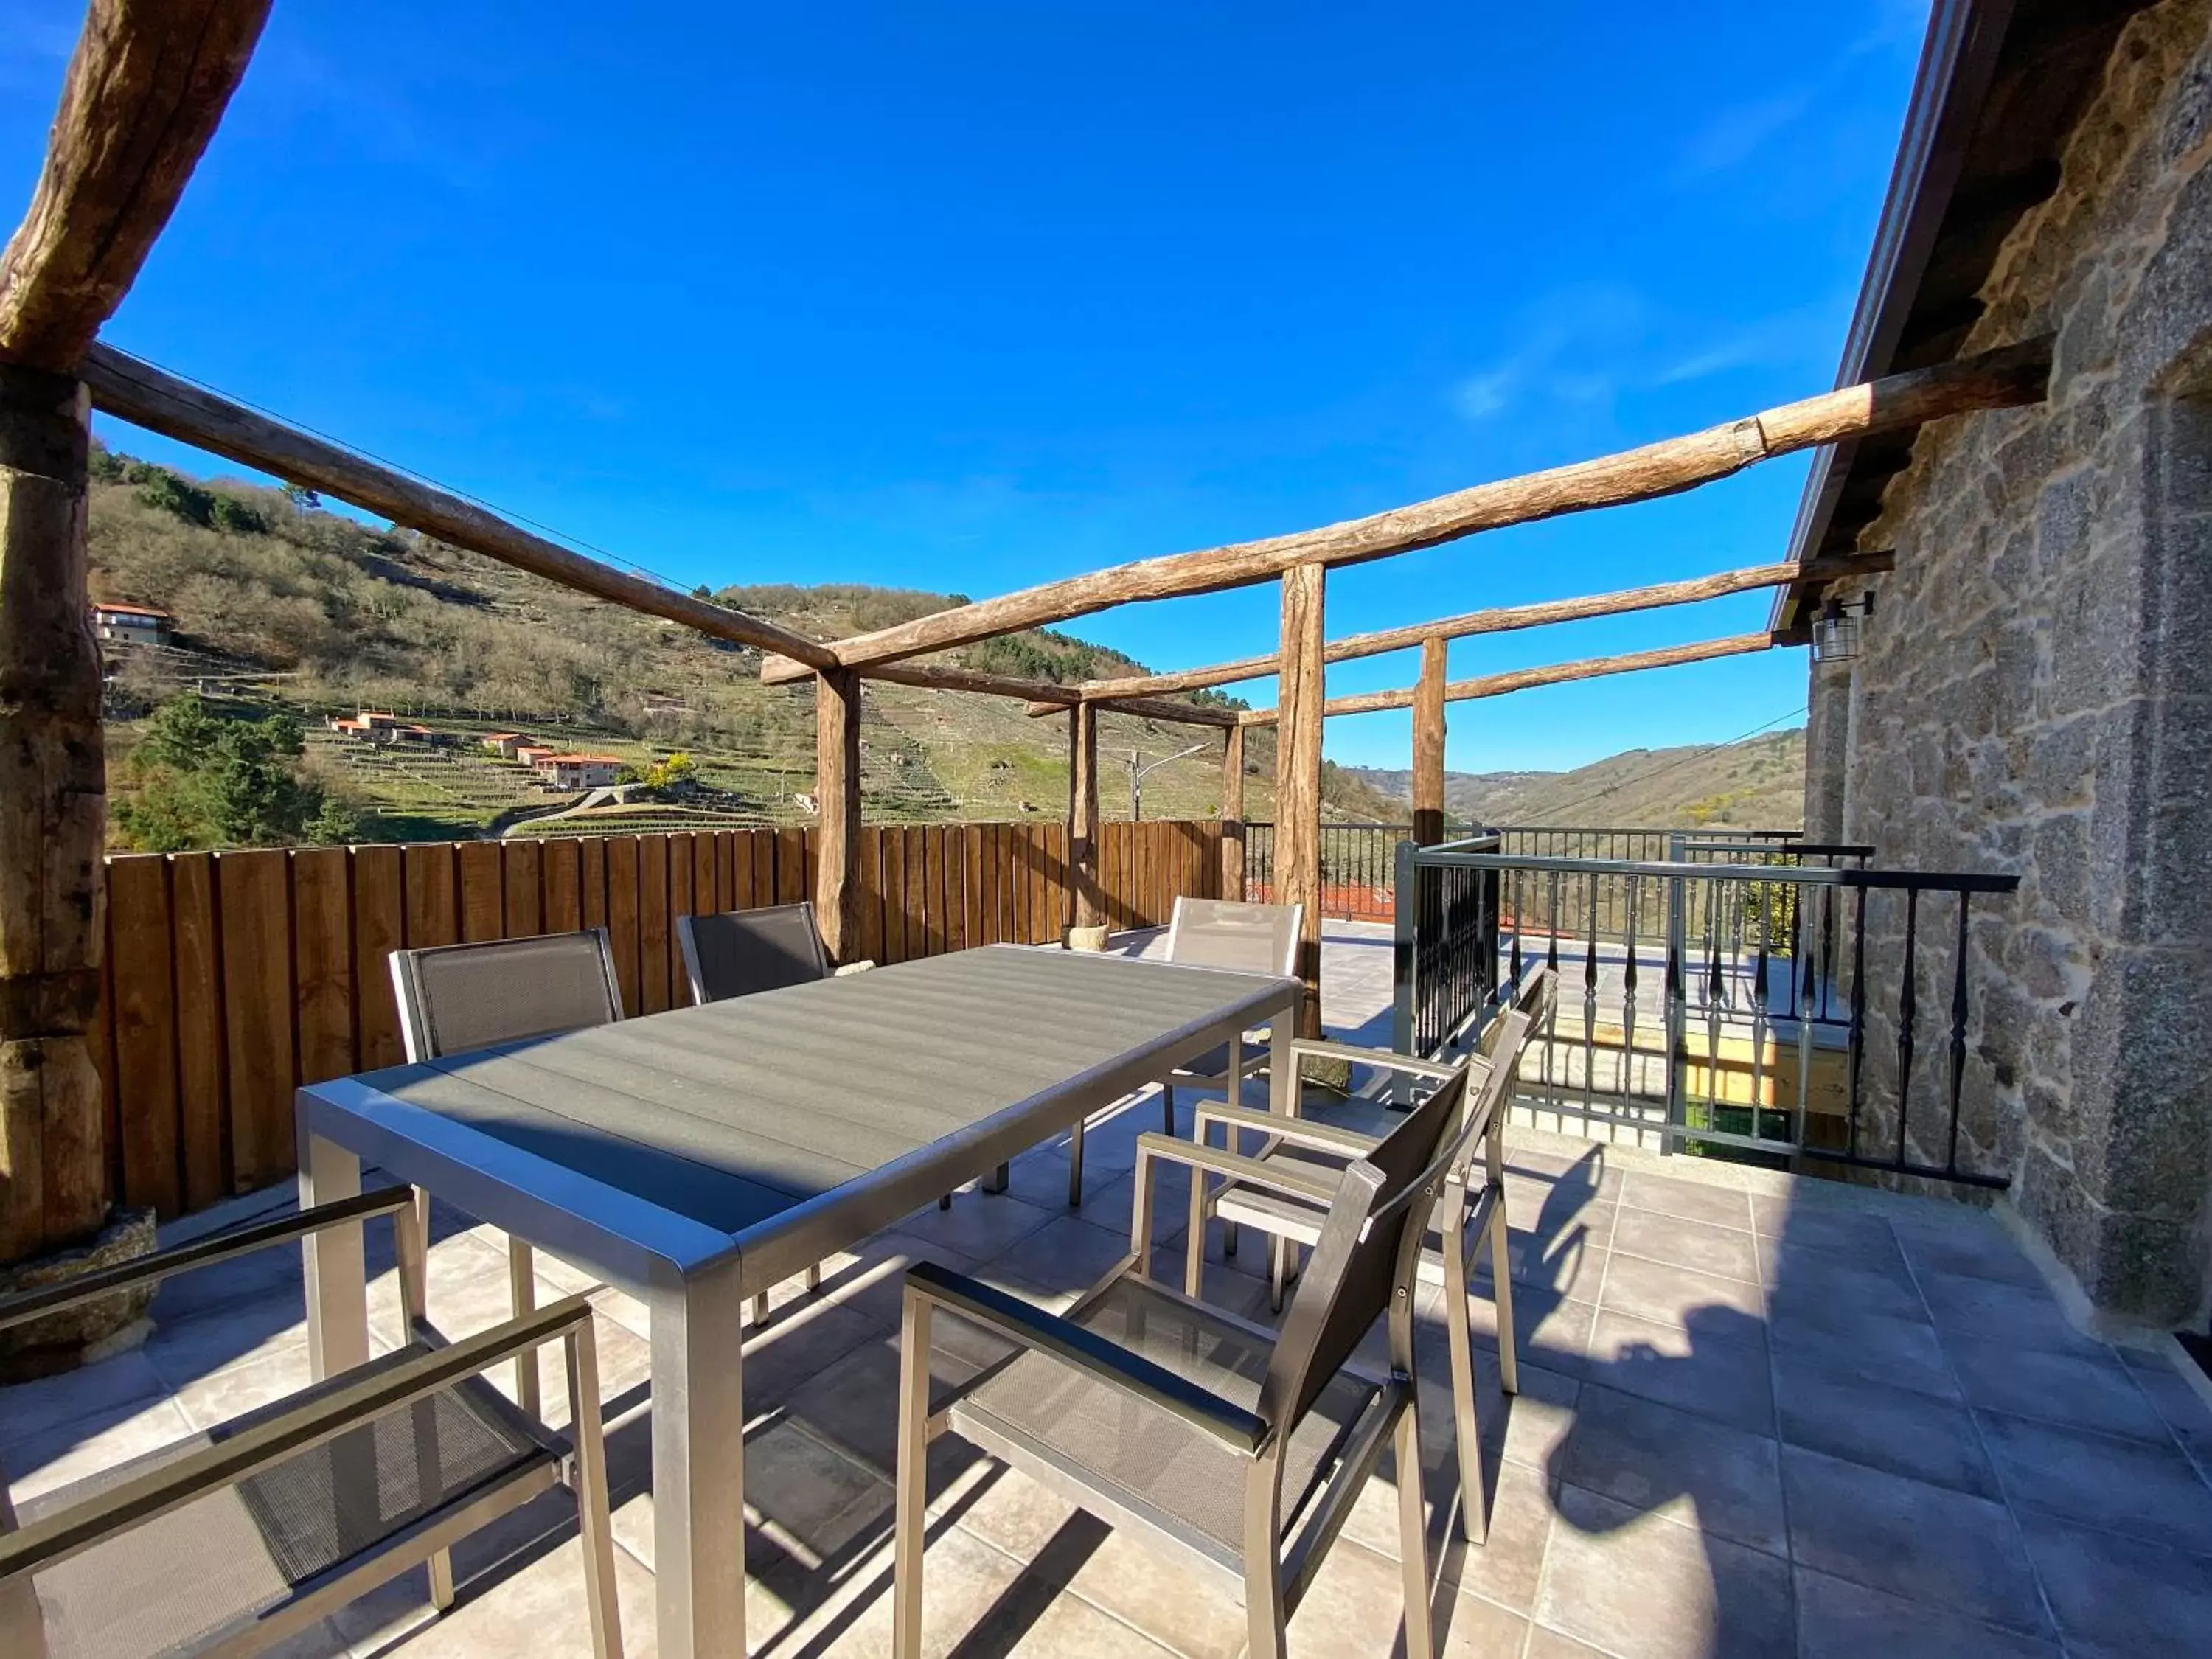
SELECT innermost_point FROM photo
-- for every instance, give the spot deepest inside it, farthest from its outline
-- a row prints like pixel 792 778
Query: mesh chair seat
pixel 221 1561
pixel 1162 1466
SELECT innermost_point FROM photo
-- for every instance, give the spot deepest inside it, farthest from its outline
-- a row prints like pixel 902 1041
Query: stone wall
pixel 2035 696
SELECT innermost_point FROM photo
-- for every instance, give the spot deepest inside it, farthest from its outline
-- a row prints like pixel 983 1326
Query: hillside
pixel 281 607
pixel 1756 784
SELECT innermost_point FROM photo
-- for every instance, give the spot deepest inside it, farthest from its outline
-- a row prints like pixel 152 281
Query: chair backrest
pixel 1248 938
pixel 1361 1254
pixel 454 998
pixel 741 951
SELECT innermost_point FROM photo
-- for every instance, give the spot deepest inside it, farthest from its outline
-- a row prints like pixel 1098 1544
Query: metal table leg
pixel 698 1466
pixel 335 1264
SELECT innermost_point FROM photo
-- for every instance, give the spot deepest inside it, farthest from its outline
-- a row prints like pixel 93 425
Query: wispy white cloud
pixel 1733 136
pixel 1564 342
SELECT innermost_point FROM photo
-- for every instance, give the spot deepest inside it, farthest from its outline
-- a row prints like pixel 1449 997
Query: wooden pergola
pixel 146 88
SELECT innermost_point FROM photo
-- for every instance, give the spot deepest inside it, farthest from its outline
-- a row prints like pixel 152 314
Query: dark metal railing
pixel 1444 946
pixel 1359 867
pixel 1770 1005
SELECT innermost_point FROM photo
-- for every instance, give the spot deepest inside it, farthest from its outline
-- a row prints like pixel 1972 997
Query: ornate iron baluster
pixel 1958 1038
pixel 1908 1006
pixel 1628 997
pixel 1589 995
pixel 1858 1024
pixel 1764 891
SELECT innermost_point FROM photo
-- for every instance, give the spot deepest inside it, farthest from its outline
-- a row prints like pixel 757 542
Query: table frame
pixel 693 1278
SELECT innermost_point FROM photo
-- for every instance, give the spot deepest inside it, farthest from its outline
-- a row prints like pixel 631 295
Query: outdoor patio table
pixel 696 1157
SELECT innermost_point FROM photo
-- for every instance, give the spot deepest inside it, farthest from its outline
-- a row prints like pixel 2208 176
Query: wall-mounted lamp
pixel 1838 631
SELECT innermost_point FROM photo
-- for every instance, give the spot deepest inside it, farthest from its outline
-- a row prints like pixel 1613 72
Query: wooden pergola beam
pixel 1504 619
pixel 1993 379
pixel 137 391
pixel 944 676
pixel 144 92
pixel 1523 679
pixel 1151 709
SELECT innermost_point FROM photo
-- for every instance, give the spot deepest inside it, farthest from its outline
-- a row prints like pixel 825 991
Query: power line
pixel 1695 754
pixel 420 477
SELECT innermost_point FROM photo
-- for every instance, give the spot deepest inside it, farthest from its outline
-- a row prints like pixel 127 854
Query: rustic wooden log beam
pixel 837 790
pixel 1523 679
pixel 1993 379
pixel 1297 776
pixel 1507 618
pixel 148 84
pixel 1232 813
pixel 144 91
pixel 946 677
pixel 1151 709
pixel 123 386
pixel 1429 746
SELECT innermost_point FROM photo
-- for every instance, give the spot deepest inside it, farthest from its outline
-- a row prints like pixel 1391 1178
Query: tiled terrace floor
pixel 1760 1417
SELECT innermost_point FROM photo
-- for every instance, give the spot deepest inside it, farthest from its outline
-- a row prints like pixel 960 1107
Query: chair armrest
pixel 1032 1328
pixel 1298 1131
pixel 1380 1059
pixel 200 1252
pixel 134 1502
pixel 1235 1166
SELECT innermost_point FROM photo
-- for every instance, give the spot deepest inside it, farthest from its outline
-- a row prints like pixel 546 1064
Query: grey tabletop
pixel 796 1119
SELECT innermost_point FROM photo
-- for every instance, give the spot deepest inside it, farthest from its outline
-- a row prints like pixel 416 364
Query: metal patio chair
pixel 1238 1448
pixel 1470 1216
pixel 238 1538
pixel 457 998
pixel 1246 939
pixel 739 952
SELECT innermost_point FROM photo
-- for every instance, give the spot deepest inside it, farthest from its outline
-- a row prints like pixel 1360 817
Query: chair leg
pixel 910 1538
pixel 998 1179
pixel 1466 1427
pixel 1414 1531
pixel 760 1308
pixel 1167 1107
pixel 1229 1238
pixel 602 1598
pixel 522 1291
pixel 1075 1166
pixel 1278 1270
pixel 1501 1276
pixel 814 1278
pixel 944 1201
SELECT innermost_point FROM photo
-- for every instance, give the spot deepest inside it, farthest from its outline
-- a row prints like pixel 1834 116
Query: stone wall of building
pixel 2035 696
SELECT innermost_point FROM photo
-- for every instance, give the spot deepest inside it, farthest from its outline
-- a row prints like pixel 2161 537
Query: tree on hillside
pixel 205 781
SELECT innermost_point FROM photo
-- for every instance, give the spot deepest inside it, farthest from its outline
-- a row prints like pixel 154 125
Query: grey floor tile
pixel 1808 1223
pixel 2007 1313
pixel 1901 1430
pixel 1068 1253
pixel 2086 1390
pixel 1693 1200
pixel 1637 1586
pixel 2184 1411
pixel 1724 1481
pixel 1506 1566
pixel 1565 1266
pixel 2132 1486
pixel 1553 1331
pixel 1968 1251
pixel 1899 1353
pixel 2123 1594
pixel 1725 1251
pixel 1712 1364
pixel 38 1407
pixel 1797 1278
pixel 1838 1620
pixel 984 1224
pixel 1924 1542
pixel 1656 1291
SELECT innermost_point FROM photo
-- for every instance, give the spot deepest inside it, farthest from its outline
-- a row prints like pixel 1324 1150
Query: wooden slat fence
pixel 232 978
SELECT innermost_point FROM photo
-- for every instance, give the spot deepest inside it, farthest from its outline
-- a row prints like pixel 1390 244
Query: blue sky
pixel 968 296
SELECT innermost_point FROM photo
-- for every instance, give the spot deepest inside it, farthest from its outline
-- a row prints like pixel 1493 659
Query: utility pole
pixel 1139 772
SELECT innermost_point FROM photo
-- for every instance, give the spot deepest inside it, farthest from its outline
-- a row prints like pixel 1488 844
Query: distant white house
pixel 131 624
pixel 579 771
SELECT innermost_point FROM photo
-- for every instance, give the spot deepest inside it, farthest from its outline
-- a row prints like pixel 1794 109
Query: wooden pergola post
pixel 1298 773
pixel 1429 746
pixel 1083 816
pixel 837 790
pixel 1232 813
pixel 145 89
